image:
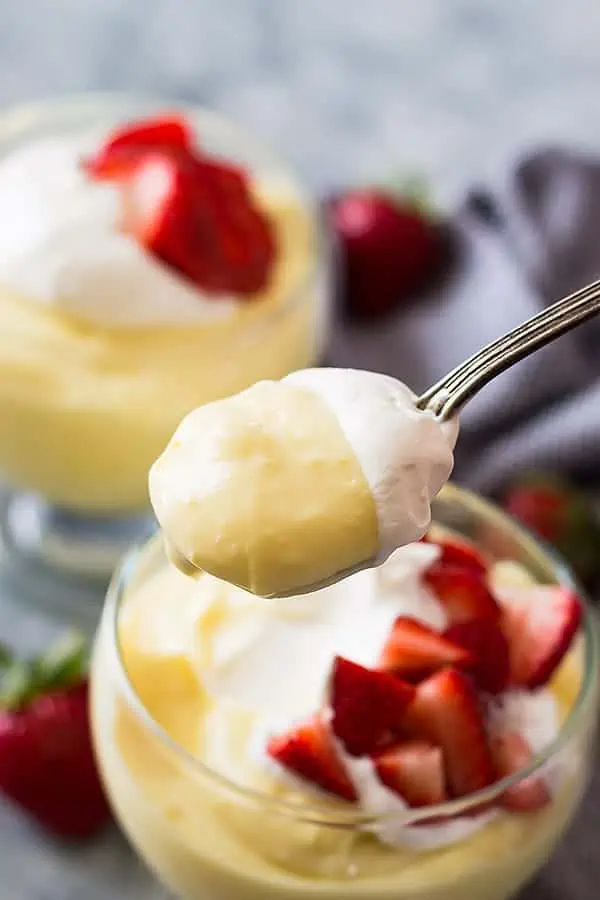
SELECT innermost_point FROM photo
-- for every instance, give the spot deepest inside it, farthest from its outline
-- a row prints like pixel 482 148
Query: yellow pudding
pixel 84 409
pixel 279 484
pixel 187 800
pixel 292 483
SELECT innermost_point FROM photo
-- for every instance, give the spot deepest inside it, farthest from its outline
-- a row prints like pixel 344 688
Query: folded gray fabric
pixel 519 247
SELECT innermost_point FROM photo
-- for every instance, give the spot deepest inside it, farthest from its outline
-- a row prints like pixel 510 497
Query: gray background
pixel 346 91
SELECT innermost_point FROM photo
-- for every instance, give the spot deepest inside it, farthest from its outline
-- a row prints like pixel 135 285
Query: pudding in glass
pixel 134 287
pixel 354 742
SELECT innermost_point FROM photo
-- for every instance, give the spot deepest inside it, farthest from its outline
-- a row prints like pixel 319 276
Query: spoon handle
pixel 457 387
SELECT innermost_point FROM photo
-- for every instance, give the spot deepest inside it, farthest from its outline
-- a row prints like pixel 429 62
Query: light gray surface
pixel 346 91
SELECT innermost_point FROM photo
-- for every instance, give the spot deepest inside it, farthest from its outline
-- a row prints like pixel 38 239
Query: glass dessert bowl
pixel 175 697
pixel 106 338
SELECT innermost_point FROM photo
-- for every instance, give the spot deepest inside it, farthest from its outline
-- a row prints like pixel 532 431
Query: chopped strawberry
pixel 511 753
pixel 47 762
pixel 446 712
pixel 415 771
pixel 121 149
pixel 456 552
pixel 488 646
pixel 367 705
pixel 540 623
pixel 309 751
pixel 463 592
pixel 413 650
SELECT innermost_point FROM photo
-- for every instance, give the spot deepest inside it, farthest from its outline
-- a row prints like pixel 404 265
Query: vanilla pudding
pixel 104 347
pixel 291 483
pixel 218 671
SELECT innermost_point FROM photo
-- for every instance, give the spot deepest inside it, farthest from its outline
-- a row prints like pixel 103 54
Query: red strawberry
pixel 194 213
pixel 367 705
pixel 309 751
pixel 414 650
pixel 560 514
pixel 540 623
pixel 244 238
pixel 456 552
pixel 47 763
pixel 389 249
pixel 203 225
pixel 121 149
pixel 488 645
pixel 511 754
pixel 463 592
pixel 446 712
pixel 415 771
pixel 540 508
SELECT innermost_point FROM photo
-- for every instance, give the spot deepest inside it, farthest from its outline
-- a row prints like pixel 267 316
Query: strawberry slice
pixel 463 592
pixel 540 623
pixel 208 231
pixel 446 712
pixel 460 553
pixel 415 771
pixel 309 751
pixel 244 242
pixel 413 650
pixel 155 199
pixel 367 705
pixel 195 213
pixel 490 652
pixel 122 148
pixel 511 753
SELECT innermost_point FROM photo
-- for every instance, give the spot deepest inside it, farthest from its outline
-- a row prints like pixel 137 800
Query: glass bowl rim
pixel 18 117
pixel 319 815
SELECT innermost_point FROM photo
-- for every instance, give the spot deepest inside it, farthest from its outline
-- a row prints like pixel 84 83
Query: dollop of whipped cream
pixel 405 454
pixel 60 245
pixel 273 660
pixel 250 658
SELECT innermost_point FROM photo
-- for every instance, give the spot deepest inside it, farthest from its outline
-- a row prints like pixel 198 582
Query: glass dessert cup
pixel 75 467
pixel 208 837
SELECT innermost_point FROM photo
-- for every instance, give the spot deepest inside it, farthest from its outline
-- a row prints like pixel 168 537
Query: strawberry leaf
pixel 17 685
pixel 411 190
pixel 64 664
pixel 23 680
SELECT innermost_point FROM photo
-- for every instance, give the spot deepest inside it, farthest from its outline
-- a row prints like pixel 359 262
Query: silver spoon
pixel 445 398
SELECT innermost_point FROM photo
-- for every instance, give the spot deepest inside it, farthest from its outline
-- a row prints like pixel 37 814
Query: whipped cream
pixel 251 663
pixel 60 245
pixel 405 454
pixel 273 661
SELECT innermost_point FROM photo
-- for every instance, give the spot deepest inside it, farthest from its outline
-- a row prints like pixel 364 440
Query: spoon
pixel 451 393
pixel 445 398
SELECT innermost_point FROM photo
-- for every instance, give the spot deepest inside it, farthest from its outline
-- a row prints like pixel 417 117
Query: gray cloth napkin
pixel 519 246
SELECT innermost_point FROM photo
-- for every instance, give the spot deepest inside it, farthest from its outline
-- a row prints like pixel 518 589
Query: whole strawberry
pixel 562 516
pixel 47 763
pixel 390 247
